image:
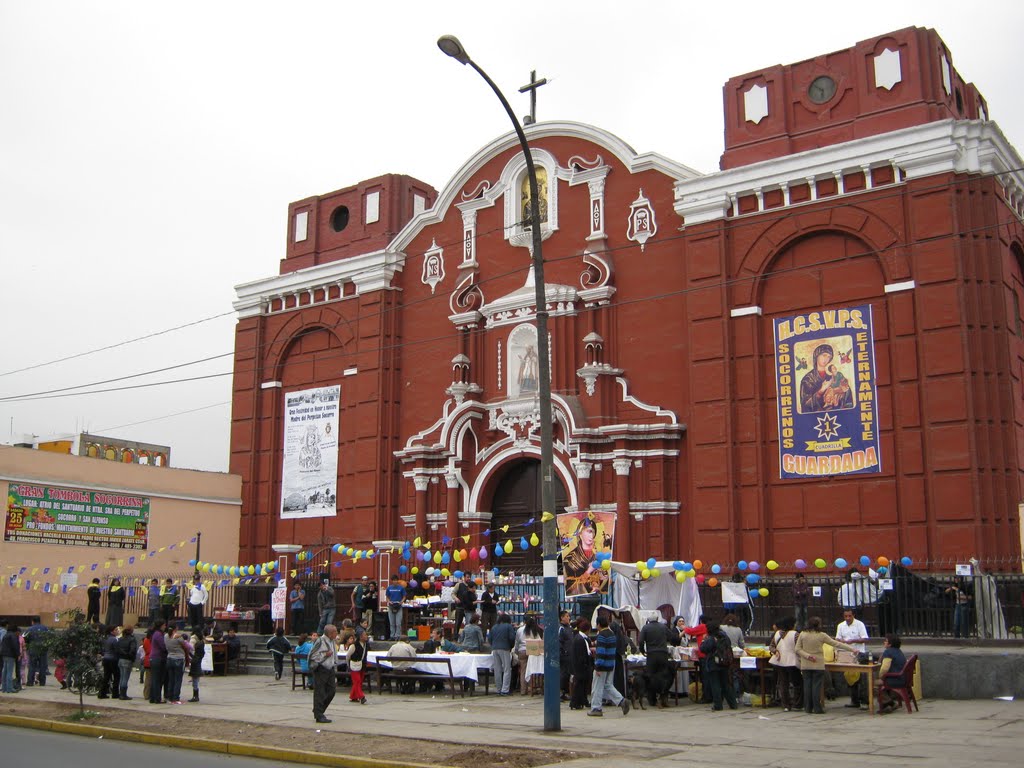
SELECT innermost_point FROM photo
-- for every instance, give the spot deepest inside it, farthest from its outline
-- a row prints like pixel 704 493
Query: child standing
pixel 356 652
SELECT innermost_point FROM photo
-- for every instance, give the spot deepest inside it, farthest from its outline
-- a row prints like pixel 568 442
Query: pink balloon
pixel 700 578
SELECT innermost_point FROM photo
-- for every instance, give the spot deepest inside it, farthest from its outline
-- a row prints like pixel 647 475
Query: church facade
pixel 394 357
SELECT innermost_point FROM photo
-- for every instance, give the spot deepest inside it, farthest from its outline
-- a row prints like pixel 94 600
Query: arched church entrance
pixel 516 500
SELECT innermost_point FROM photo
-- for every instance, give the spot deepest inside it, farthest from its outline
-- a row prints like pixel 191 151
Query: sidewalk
pixel 943 733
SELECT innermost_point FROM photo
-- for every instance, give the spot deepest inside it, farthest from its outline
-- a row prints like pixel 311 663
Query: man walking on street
pixel 325 604
pixel 323 659
pixel 197 598
pixel 604 672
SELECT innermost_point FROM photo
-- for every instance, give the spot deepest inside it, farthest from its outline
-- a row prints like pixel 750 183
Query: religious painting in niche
pixel 542 193
pixel 523 362
pixel 825 375
pixel 581 536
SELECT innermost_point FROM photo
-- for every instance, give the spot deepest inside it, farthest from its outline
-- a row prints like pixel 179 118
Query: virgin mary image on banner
pixel 583 535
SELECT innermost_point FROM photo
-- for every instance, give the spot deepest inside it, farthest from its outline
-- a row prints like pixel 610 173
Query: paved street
pixel 942 733
pixel 28 748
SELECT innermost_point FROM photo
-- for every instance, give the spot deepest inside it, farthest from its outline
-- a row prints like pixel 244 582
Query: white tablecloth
pixel 534 666
pixel 464 665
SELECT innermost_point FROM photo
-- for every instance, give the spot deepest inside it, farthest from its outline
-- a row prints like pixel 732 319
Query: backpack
pixel 722 655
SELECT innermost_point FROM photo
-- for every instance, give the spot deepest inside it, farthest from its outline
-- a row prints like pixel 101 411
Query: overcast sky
pixel 148 152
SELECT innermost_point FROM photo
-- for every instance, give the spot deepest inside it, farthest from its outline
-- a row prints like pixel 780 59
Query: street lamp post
pixel 451 46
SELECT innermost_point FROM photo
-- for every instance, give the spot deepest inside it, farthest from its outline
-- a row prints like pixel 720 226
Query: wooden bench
pixel 387 674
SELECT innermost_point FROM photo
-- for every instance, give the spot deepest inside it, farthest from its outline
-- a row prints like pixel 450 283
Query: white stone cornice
pixel 947 146
pixel 369 272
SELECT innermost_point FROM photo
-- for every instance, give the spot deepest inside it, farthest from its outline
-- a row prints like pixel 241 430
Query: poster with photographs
pixel 309 479
pixel 581 536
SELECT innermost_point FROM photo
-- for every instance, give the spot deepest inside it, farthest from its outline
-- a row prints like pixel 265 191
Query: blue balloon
pixel 651 562
pixel 678 566
pixel 495 570
pixel 841 563
pixel 686 566
pixel 446 558
pixel 742 565
pixel 865 560
pixel 498 551
pixel 716 568
pixel 906 561
pixel 403 569
pixel 192 563
pixel 882 570
pixel 753 578
pixel 523 543
pixel 754 593
pixel 406 554
pixel 457 574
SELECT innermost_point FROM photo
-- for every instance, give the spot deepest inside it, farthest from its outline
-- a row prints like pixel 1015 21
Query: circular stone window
pixel 339 219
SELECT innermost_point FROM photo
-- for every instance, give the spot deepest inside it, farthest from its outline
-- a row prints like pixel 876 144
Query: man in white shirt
pixel 197 597
pixel 853 632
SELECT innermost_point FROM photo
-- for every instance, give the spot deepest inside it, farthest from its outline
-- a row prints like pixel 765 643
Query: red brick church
pixel 385 381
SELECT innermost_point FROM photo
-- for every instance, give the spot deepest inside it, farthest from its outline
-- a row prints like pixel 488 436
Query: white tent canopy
pixel 655 592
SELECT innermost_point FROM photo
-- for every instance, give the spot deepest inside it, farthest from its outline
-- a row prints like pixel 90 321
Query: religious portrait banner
pixel 827 404
pixel 42 514
pixel 309 479
pixel 582 536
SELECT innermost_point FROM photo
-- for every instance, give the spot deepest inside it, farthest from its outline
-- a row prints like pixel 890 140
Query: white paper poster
pixel 310 474
pixel 734 592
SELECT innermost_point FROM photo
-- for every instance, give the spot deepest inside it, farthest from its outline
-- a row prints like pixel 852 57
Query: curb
pixel 207 745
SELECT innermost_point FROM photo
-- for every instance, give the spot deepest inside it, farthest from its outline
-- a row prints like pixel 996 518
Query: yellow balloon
pixel 680 577
pixel 691 573
pixel 534 541
pixel 697 565
pixel 445 572
pixel 416 542
pixel 414 570
pixel 763 591
pixel 772 565
pixel 437 557
pixel 508 546
pixel 712 582
pixel 206 568
pixel 457 556
pixel 606 565
pixel 640 565
pixel 646 573
pixel 655 573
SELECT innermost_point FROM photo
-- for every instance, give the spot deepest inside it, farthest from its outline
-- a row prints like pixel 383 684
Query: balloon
pixel 646 573
pixel 754 593
pixel 437 557
pixel 883 561
pixel 655 573
pixel 495 570
pixel 640 565
pixel 697 564
pixel 463 553
pixel 446 573
pixel 690 573
pixel 800 563
pixel 417 541
pixel 678 566
pixel 865 561
pixel 882 570
pixel 700 578
pixel 430 571
pixel 192 563
pixel 508 546
pixel 771 565
pixel 478 581
pixel 534 540
pixel 651 562
pixel 763 591
pixel 680 577
pixel 606 565
pixel 482 554
pixel 820 562
pixel 403 569
pixel 414 584
pixel 687 566
pixel 415 570
pixel 754 566
pixel 716 568
pixel 742 565
pixel 406 554
pixel 712 582
pixel 841 563
pixel 523 543
pixel 498 551
pixel 753 578
pixel 446 558
pixel 906 562
pixel 457 556
pixel 458 574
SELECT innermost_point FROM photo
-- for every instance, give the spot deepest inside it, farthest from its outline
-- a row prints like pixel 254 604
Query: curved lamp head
pixel 450 46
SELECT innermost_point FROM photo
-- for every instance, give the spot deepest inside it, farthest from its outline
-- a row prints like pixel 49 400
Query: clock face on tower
pixel 821 89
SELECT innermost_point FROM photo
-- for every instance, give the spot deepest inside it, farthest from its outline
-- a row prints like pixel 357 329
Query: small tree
pixel 80 645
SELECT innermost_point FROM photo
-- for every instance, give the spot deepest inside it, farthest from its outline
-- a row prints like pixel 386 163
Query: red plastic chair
pixel 906 692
